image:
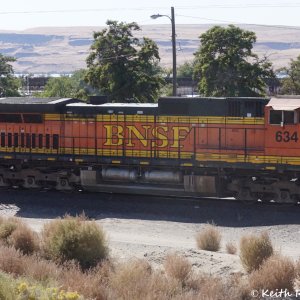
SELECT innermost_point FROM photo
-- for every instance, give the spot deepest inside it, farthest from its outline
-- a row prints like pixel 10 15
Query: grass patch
pixel 178 267
pixel 17 234
pixel 209 238
pixel 231 248
pixel 136 280
pixel 254 250
pixel 277 272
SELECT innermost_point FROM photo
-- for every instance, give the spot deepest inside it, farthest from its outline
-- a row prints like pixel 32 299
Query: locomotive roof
pixel 137 105
pixel 38 105
pixel 181 106
pixel 285 103
pixel 29 100
pixel 212 106
pixel 113 108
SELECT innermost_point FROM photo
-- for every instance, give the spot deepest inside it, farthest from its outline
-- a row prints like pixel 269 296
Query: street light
pixel 172 19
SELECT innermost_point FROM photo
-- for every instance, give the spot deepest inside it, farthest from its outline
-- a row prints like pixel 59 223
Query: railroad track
pixel 149 198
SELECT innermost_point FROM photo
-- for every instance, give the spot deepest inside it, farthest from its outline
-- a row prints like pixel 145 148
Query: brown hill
pixel 63 50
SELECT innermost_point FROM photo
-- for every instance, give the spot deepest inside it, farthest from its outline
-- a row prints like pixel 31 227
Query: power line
pixel 260 5
pixel 239 23
pixel 219 6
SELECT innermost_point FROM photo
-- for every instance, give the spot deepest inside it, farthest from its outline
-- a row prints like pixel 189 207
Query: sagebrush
pixel 75 238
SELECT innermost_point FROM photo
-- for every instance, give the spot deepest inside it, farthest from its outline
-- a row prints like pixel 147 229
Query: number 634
pixel 286 136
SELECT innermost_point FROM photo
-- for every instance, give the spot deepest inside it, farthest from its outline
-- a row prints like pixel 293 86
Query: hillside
pixel 63 50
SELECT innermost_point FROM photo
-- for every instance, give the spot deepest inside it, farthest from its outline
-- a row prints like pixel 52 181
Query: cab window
pixel 278 117
pixel 288 117
pixel 275 117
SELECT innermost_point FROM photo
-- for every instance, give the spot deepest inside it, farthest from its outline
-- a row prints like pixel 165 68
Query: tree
pixel 226 66
pixel 186 70
pixel 124 67
pixel 65 86
pixel 8 83
pixel 291 84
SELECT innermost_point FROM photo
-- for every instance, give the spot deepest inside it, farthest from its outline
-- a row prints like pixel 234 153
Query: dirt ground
pixel 143 227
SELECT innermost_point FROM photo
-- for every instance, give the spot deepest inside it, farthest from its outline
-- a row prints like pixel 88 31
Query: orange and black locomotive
pixel 248 148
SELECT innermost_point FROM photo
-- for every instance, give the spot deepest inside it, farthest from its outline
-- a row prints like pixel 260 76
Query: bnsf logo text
pixel 146 135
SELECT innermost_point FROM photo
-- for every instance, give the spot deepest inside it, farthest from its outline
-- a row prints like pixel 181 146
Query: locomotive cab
pixel 282 128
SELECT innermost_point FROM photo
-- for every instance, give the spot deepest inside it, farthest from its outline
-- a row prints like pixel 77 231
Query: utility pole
pixel 172 19
pixel 174 52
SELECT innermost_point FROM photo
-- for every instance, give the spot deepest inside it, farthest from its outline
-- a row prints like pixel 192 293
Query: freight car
pixel 247 148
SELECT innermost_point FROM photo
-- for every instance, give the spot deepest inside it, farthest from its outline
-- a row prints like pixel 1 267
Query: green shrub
pixel 254 250
pixel 7 288
pixel 209 239
pixel 23 289
pixel 74 238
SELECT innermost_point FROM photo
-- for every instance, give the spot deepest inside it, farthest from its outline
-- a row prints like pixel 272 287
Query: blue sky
pixel 20 14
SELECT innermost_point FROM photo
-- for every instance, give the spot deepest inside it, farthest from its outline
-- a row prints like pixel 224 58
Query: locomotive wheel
pixel 30 183
pixel 245 195
pixel 63 185
pixel 284 196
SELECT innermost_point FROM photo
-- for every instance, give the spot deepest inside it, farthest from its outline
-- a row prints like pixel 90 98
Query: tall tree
pixel 291 84
pixel 123 66
pixel 226 66
pixel 8 83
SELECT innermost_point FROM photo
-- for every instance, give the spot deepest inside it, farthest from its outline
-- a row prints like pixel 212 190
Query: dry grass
pixel 74 238
pixel 254 250
pixel 133 280
pixel 209 238
pixel 68 276
pixel 7 226
pixel 15 263
pixel 297 271
pixel 17 234
pixel 24 239
pixel 136 280
pixel 231 248
pixel 178 267
pixel 277 272
pixel 92 283
pixel 205 287
pixel 12 261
